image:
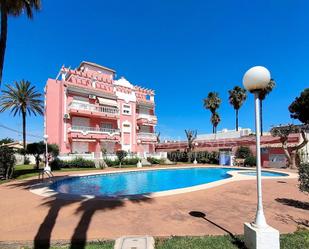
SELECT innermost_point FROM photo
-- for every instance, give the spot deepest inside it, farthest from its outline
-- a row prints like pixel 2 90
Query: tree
pixel 6 140
pixel 191 136
pixel 13 8
pixel 22 99
pixel 215 120
pixel 237 97
pixel 303 172
pixel 243 152
pixel 36 149
pixel 39 149
pixel 158 137
pixel 121 154
pixel 7 161
pixel 299 108
pixel 212 103
pixel 283 133
pixel 262 95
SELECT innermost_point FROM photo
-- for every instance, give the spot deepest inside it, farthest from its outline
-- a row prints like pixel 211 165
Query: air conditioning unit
pixel 66 116
pixel 92 96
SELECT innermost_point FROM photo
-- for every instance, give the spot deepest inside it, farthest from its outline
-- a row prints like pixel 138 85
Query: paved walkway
pixel 26 216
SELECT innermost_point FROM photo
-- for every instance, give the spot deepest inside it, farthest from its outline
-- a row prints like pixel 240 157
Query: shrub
pixel 243 152
pixel 55 164
pixel 111 163
pixel 26 160
pixel 121 154
pixel 154 160
pixel 250 161
pixel 130 161
pixel 177 156
pixel 201 156
pixel 7 161
pixel 76 163
pixel 125 161
pixel 303 172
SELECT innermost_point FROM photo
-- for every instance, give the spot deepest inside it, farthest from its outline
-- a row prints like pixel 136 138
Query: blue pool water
pixel 139 182
pixel 264 173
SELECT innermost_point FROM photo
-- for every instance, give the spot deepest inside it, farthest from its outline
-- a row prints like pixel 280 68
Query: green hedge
pixel 201 156
pixel 126 161
pixel 153 160
pixel 74 163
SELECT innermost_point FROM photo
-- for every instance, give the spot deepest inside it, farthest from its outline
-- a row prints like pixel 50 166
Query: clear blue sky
pixel 182 49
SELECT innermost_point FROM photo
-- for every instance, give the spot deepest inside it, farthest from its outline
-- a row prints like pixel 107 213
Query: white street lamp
pixel 259 234
pixel 46 150
pixel 195 145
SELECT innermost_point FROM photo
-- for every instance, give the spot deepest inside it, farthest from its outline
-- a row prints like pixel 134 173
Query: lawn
pixel 297 240
pixel 26 171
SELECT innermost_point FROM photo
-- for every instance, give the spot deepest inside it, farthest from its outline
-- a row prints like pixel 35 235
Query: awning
pixel 109 102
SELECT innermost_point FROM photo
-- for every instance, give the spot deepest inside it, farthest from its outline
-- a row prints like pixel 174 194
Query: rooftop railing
pixel 93 108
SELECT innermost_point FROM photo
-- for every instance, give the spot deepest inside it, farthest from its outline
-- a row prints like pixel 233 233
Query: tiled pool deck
pixel 26 216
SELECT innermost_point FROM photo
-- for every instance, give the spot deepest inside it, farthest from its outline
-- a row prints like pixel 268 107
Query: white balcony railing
pixel 93 108
pixel 147 116
pixel 86 130
pixel 146 135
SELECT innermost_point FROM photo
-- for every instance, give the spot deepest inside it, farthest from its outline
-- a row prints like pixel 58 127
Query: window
pixel 126 109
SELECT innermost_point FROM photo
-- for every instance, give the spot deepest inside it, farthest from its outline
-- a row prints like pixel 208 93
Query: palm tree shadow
pixel 293 203
pixel 42 239
pixel 235 240
pixel 89 208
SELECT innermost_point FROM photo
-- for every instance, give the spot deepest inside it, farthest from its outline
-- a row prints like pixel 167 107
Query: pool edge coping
pixel 43 189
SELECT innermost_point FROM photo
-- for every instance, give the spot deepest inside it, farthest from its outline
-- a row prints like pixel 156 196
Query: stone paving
pixel 29 217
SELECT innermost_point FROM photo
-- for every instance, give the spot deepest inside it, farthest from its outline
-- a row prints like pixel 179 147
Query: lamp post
pixel 195 145
pixel 258 234
pixel 46 150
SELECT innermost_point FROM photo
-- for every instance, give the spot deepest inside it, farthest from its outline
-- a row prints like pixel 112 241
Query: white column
pixel 260 221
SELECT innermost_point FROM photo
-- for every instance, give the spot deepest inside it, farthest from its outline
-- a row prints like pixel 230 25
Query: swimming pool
pixel 264 173
pixel 139 182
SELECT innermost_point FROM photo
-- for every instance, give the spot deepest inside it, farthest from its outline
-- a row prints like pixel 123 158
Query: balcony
pixel 147 137
pixel 85 132
pixel 146 119
pixel 90 109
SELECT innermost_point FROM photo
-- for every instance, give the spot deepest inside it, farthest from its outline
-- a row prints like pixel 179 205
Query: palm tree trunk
pixel 24 129
pixel 236 119
pixel 261 116
pixel 3 36
pixel 213 129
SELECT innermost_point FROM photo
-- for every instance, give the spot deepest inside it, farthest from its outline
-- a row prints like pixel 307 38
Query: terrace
pixel 91 109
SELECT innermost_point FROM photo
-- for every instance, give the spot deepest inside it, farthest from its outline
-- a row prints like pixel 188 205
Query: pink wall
pixel 57 96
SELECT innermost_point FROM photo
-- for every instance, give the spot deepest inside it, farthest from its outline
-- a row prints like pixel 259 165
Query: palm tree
pixel 262 95
pixel 191 136
pixel 215 120
pixel 237 98
pixel 22 99
pixel 212 103
pixel 14 8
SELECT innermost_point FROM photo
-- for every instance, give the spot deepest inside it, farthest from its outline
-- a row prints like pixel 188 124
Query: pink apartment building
pixel 87 109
